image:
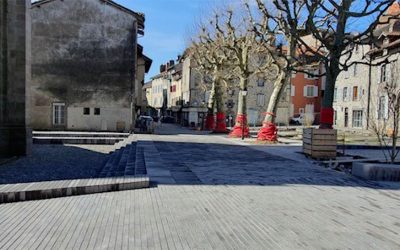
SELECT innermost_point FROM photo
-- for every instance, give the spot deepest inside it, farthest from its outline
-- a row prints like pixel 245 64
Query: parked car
pixel 167 119
pixel 145 124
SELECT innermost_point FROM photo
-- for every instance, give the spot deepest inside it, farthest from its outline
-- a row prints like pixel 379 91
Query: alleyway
pixel 214 193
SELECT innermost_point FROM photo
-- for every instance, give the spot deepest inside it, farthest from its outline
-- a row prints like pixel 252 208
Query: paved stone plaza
pixel 215 193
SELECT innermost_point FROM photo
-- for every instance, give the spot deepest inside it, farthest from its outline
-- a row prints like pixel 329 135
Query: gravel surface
pixel 56 162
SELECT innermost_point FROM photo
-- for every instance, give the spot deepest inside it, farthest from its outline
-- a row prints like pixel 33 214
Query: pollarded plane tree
pixel 212 60
pixel 335 26
pixel 239 40
pixel 269 26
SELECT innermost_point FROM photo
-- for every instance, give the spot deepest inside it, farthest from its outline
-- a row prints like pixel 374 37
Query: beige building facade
pixel 84 67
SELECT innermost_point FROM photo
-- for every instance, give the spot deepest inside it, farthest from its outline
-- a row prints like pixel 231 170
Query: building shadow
pixel 54 162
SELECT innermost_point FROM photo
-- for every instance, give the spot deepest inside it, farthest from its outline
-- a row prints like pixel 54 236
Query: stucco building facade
pixel 84 68
pixel 360 100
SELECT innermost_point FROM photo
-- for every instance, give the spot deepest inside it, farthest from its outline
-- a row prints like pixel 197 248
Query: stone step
pixel 54 189
pixel 126 160
pixel 114 164
pixel 123 161
pixel 56 134
pixel 130 165
pixel 140 165
pixel 77 140
pixel 108 165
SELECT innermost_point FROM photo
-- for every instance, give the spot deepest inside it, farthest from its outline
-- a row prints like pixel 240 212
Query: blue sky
pixel 168 26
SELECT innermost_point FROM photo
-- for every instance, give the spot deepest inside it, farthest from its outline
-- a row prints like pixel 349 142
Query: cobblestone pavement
pixel 56 162
pixel 227 196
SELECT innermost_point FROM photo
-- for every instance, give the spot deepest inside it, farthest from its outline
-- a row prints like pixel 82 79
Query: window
pixel 383 73
pixel 260 100
pixel 355 93
pixel 310 91
pixel 355 70
pixel 357 118
pixel 96 111
pixel 335 95
pixel 301 110
pixel 293 90
pixel 58 113
pixel 86 111
pixel 382 108
pixel 260 82
pixel 345 94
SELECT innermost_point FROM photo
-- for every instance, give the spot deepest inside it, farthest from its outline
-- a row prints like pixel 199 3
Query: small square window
pixel 260 82
pixel 86 111
pixel 96 111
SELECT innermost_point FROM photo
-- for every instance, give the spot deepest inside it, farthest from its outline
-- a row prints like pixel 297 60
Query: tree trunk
pixel 268 132
pixel 332 72
pixel 219 103
pixel 210 121
pixel 394 136
pixel 241 128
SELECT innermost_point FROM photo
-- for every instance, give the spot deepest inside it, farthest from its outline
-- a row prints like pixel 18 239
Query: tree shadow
pixel 193 163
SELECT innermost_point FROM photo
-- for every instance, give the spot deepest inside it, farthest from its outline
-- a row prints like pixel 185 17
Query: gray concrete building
pixel 84 65
pixel 15 73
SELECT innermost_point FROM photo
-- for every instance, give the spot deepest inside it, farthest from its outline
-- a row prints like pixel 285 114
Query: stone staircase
pixel 72 137
pixel 126 160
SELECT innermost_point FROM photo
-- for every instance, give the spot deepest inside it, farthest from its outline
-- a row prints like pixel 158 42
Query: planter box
pixel 376 171
pixel 320 143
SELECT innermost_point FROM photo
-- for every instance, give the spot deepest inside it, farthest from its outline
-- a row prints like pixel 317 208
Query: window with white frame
pixel 260 82
pixel 345 94
pixel 58 113
pixel 383 73
pixel 292 90
pixel 310 91
pixel 357 118
pixel 382 108
pixel 260 100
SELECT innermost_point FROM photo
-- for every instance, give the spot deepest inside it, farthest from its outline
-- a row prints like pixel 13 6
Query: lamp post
pixel 244 94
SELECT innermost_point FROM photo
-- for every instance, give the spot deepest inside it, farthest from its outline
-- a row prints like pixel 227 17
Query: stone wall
pixel 84 54
pixel 15 27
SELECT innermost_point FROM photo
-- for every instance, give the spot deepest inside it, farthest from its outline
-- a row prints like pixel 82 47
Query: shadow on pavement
pixel 192 163
pixel 53 162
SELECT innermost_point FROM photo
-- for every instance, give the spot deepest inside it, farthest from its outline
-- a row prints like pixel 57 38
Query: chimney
pixel 162 68
pixel 171 63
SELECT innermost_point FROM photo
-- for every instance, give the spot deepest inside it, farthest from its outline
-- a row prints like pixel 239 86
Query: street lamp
pixel 244 94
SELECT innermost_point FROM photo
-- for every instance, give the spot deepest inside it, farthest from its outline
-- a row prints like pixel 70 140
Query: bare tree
pixel 385 125
pixel 212 61
pixel 332 26
pixel 270 25
pixel 241 45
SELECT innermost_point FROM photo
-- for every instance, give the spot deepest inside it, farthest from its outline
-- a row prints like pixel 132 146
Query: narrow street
pixel 208 192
